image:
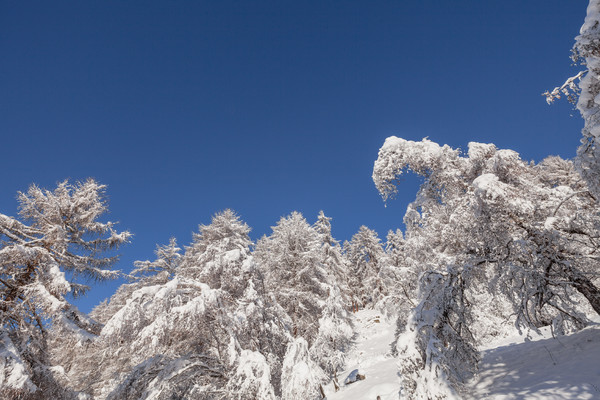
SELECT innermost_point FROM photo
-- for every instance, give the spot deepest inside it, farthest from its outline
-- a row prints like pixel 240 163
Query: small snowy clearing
pixel 371 357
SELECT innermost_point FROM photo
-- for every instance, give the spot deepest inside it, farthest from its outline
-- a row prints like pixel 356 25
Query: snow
pixel 544 368
pixel 490 185
pixel 253 370
pixel 13 373
pixel 481 151
pixel 371 357
pixel 533 366
pixel 232 255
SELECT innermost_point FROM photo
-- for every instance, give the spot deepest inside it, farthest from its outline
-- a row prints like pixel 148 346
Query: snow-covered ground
pixel 372 359
pixel 514 368
pixel 567 367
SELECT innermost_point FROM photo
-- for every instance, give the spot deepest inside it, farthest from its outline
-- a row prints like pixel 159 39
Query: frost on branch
pixel 160 270
pixel 569 89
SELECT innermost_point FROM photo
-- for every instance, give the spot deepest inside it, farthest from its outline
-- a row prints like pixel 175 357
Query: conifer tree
pixel 217 254
pixel 301 377
pixel 365 257
pixel 332 257
pixel 41 259
pixel 334 338
pixel 290 263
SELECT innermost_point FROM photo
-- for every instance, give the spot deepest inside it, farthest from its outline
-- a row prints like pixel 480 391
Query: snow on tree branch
pixel 587 50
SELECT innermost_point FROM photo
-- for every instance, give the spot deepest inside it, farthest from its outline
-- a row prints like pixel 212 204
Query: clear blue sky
pixel 184 108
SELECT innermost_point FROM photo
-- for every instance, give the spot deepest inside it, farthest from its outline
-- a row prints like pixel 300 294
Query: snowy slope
pixel 567 367
pixel 370 356
pixel 514 368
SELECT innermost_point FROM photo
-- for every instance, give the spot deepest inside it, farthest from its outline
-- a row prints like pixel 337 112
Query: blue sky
pixel 186 108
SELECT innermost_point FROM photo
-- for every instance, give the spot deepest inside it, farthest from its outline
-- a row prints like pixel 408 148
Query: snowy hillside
pixel 371 357
pixel 565 367
pixel 517 367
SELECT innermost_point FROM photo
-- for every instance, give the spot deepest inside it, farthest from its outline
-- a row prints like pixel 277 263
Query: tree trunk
pixel 586 288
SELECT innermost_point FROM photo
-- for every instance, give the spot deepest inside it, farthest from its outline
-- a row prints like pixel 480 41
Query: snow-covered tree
pixel 169 340
pixel 145 273
pixel 290 263
pixel 252 378
pixel 160 270
pixel 437 349
pixel 217 254
pixel 172 329
pixel 41 260
pixel 583 90
pixel 521 232
pixel 587 50
pixel 365 257
pixel 200 325
pixel 397 281
pixel 331 253
pixel 334 337
pixel 301 377
pixel 262 326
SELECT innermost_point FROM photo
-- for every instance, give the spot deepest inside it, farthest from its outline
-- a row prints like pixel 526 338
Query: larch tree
pixel 290 263
pixel 59 241
pixel 192 326
pixel 331 254
pixel 262 327
pixel 301 377
pixel 218 252
pixel 335 326
pixel 145 273
pixel 162 269
pixel 364 254
pixel 176 332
